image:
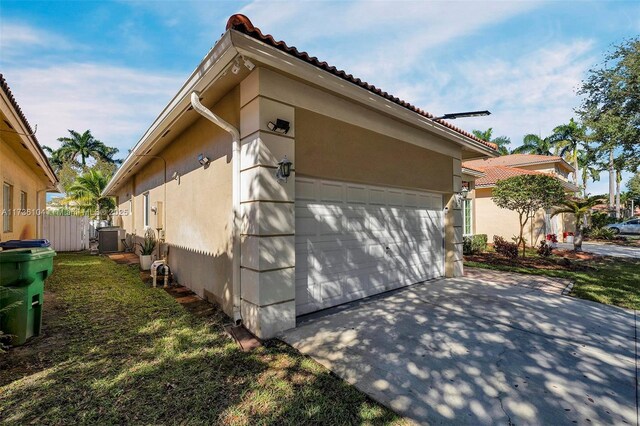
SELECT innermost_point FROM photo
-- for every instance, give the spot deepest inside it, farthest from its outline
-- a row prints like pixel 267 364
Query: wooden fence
pixel 68 233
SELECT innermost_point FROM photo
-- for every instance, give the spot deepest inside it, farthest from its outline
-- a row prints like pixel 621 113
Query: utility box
pixel 22 275
pixel 110 239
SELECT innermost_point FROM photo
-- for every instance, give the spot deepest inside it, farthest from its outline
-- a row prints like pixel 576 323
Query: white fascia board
pixel 25 135
pixel 472 172
pixel 213 64
pixel 251 48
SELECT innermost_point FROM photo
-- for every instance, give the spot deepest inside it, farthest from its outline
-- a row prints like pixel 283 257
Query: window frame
pixel 7 207
pixel 23 201
pixel 146 210
pixel 467 203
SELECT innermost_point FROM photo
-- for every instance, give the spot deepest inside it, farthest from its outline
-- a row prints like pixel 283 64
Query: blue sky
pixel 112 66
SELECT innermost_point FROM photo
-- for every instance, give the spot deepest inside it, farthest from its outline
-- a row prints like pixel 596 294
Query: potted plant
pixel 552 240
pixel 146 249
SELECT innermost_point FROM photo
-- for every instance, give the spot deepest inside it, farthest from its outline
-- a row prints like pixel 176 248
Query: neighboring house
pixel 482 216
pixel 369 204
pixel 25 173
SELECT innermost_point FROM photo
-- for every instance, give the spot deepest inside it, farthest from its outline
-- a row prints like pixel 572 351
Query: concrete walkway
pixel 606 250
pixel 471 351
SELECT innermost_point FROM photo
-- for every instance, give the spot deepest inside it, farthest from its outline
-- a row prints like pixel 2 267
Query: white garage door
pixel 354 241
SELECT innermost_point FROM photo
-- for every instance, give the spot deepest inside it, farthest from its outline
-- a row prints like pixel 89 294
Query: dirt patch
pixel 560 262
pixel 570 254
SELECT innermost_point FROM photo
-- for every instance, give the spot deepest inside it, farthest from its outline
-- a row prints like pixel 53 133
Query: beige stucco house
pixel 369 204
pixel 25 172
pixel 482 216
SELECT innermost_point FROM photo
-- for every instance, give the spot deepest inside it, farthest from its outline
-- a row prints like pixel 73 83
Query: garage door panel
pixel 342 234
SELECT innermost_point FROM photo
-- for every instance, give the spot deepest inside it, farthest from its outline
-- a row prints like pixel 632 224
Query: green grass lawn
pixel 116 351
pixel 613 281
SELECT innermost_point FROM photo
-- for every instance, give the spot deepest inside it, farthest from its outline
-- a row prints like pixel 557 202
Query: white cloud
pixel 389 35
pixel 16 37
pixel 117 104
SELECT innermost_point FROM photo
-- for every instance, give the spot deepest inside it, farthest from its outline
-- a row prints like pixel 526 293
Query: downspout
pixel 235 134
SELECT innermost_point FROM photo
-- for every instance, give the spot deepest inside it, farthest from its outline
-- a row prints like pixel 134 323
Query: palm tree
pixel 500 141
pixel 568 138
pixel 587 161
pixel 581 209
pixel 54 157
pixel 86 191
pixel 84 146
pixel 534 144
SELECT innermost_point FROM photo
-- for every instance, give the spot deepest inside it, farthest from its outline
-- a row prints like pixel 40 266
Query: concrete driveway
pixel 474 351
pixel 606 250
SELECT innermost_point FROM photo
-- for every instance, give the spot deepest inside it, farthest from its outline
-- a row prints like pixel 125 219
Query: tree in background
pixel 500 141
pixel 611 105
pixel 80 147
pixel 534 144
pixel 86 192
pixel 633 191
pixel 581 209
pixel 611 110
pixel 526 194
pixel 78 154
pixel 568 139
pixel 590 169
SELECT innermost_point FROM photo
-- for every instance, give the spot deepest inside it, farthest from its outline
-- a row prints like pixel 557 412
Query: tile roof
pixel 516 160
pixel 493 174
pixel 7 91
pixel 242 24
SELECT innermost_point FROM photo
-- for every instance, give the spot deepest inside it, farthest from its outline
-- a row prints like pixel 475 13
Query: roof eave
pixel 26 134
pixel 200 80
pixel 260 51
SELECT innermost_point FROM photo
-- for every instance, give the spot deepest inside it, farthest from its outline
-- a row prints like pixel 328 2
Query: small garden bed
pixel 559 262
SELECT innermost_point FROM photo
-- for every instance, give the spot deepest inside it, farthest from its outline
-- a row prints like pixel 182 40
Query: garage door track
pixel 473 351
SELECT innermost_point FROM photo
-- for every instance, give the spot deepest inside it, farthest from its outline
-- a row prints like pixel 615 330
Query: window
pixel 23 201
pixel 145 208
pixel 467 212
pixel 7 206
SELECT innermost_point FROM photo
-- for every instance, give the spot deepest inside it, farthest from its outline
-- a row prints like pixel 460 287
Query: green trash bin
pixel 22 275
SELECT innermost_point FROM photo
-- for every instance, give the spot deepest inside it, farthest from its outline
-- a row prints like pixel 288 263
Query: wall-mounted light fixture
pixel 462 195
pixel 284 169
pixel 280 126
pixel 203 159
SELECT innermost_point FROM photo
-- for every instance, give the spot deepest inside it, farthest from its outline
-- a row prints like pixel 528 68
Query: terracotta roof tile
pixel 242 24
pixel 493 174
pixel 515 160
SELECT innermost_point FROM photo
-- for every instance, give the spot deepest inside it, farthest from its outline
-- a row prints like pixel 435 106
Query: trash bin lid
pixel 26 254
pixel 15 244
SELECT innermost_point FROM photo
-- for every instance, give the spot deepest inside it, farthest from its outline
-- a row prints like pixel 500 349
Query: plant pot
pixel 145 262
pixel 569 239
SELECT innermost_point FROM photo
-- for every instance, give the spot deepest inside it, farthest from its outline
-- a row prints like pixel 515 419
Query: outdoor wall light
pixel 280 126
pixel 284 169
pixel 462 195
pixel 203 159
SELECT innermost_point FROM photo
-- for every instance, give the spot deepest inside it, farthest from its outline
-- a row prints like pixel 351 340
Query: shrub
pixel 602 234
pixel 600 220
pixel 544 249
pixel 474 244
pixel 504 247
